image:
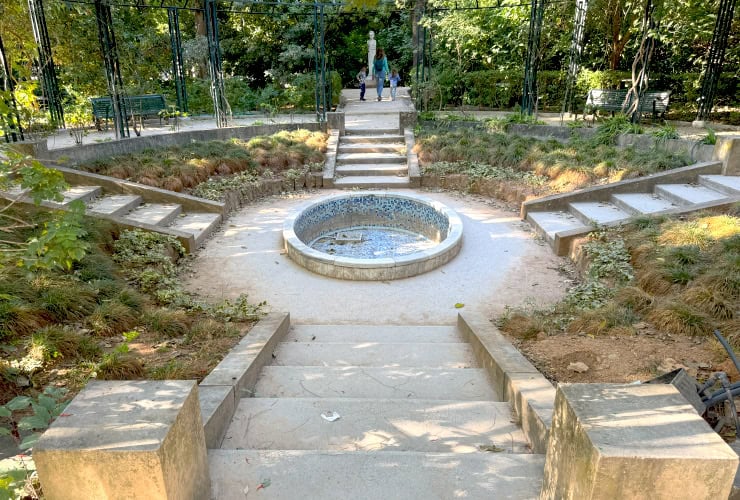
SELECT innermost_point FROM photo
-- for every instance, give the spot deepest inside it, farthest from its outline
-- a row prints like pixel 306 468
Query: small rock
pixel 668 365
pixel 641 326
pixel 22 381
pixel 578 366
pixel 704 366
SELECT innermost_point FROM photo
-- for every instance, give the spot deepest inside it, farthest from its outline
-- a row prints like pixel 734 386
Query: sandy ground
pixel 501 263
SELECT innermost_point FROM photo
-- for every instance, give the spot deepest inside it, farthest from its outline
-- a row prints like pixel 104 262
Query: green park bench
pixel 654 103
pixel 137 106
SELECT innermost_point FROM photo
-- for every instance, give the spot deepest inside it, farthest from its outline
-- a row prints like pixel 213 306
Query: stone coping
pixel 530 394
pixel 236 375
pixel 374 269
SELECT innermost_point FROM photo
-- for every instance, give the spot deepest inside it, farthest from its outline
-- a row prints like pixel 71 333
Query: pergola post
pixel 46 62
pixel 221 108
pixel 641 64
pixel 715 58
pixel 529 94
pixel 178 68
pixel 107 39
pixel 576 51
pixel 12 121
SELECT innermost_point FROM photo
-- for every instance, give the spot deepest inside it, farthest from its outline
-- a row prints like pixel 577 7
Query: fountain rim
pixel 388 267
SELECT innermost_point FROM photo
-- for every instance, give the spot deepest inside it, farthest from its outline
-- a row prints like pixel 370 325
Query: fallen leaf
pixel 491 447
pixel 459 305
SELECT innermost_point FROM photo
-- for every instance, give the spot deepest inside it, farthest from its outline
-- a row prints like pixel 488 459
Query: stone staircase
pixel 418 418
pixel 370 159
pixel 131 210
pixel 562 218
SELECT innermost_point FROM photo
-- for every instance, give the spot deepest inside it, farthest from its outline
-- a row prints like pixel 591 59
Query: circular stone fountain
pixel 373 235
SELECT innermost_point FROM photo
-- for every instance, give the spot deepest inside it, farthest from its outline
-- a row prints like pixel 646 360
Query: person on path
pixel 394 79
pixel 380 70
pixel 361 77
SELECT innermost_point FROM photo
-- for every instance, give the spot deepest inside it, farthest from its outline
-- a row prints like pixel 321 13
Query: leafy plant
pixel 710 138
pixel 665 132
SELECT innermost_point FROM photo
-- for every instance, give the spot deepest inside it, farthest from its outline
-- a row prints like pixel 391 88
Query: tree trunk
pixel 201 70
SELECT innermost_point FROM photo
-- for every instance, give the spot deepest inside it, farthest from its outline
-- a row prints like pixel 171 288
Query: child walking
pixel 361 76
pixel 394 79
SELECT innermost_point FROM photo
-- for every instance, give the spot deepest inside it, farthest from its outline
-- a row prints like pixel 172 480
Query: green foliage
pixel 217 187
pixel 60 244
pixel 665 132
pixel 45 408
pixel 607 132
pixel 238 309
pixel 477 170
pixel 710 138
pixel 609 260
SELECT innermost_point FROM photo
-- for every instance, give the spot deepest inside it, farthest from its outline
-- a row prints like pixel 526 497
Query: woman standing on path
pixel 380 69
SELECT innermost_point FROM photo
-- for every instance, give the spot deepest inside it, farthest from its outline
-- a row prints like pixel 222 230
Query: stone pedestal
pixel 611 441
pixel 127 440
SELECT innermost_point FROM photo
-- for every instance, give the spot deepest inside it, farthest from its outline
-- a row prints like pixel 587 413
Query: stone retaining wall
pixel 80 154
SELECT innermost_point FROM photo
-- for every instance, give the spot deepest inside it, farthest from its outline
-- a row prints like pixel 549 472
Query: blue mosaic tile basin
pixel 373 235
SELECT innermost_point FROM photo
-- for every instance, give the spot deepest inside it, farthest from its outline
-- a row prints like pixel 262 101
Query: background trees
pixel 268 53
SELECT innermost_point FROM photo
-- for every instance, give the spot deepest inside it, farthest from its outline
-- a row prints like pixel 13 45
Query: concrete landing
pixel 686 194
pixel 370 169
pixel 460 384
pixel 374 425
pixel 553 222
pixel 390 475
pixel 372 182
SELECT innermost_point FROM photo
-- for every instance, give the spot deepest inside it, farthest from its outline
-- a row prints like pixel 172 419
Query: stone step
pixel 373 333
pixel 370 169
pixel 453 384
pixel 729 184
pixel 357 158
pixel 372 139
pixel 373 425
pixel 359 475
pixel 372 182
pixel 598 212
pixel 200 225
pixel 82 193
pixel 157 214
pixel 388 355
pixel 371 148
pixel 551 223
pixel 375 132
pixel 642 203
pixel 114 204
pixel 688 194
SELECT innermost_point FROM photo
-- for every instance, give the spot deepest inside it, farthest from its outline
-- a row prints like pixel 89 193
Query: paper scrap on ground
pixel 330 416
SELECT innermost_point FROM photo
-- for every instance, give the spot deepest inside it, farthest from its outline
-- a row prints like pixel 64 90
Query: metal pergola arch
pixel 317 9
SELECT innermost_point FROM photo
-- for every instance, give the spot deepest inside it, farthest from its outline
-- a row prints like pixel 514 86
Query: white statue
pixel 371 44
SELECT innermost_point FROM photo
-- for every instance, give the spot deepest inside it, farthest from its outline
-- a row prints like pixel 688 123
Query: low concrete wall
pixel 514 377
pixel 330 165
pixel 697 151
pixel 612 441
pixel 412 160
pixel 139 439
pixel 89 152
pixel 335 121
pixel 236 375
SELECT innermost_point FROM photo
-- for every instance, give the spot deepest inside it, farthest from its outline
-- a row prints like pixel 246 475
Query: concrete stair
pixel 416 414
pixel 371 158
pixel 614 206
pixel 132 209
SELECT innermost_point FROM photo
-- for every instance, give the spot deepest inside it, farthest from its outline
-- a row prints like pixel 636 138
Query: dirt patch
pixel 617 359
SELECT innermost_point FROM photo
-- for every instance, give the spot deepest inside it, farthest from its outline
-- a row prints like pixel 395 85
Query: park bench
pixel 654 103
pixel 137 106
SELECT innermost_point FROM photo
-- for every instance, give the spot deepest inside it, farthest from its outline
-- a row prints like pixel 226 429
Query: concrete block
pixel 128 440
pixel 633 441
pixel 727 150
pixel 335 121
